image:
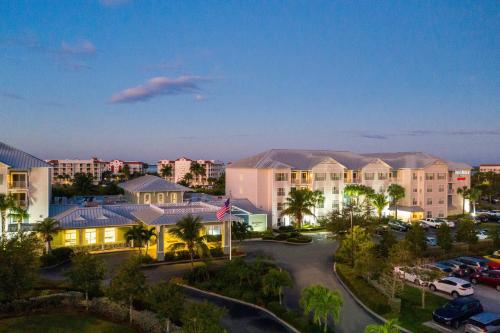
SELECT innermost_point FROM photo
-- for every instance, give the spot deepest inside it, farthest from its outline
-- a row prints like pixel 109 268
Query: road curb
pixel 161 263
pixel 290 327
pixel 366 308
pixel 275 241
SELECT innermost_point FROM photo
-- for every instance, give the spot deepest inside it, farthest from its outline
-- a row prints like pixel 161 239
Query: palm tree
pixel 147 236
pixel 318 199
pixel 197 170
pixel 188 177
pixel 379 201
pixel 19 215
pixel 474 196
pixel 298 204
pixel 46 228
pixel 322 302
pixel 166 171
pixel 464 192
pixel 274 281
pixel 135 235
pixel 396 192
pixel 388 327
pixel 188 230
pixel 6 203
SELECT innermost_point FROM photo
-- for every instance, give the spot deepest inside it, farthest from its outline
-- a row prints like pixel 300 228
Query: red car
pixel 493 265
pixel 487 277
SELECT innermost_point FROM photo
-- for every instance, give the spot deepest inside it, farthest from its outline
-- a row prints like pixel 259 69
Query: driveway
pixel 312 264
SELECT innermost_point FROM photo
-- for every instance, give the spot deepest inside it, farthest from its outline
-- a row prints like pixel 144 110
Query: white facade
pixel 116 166
pixel 490 168
pixel 63 171
pixel 181 166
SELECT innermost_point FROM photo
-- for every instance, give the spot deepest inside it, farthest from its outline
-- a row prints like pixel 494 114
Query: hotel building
pixel 27 179
pixel 63 171
pixel 213 169
pixel 490 168
pixel 116 166
pixel 430 182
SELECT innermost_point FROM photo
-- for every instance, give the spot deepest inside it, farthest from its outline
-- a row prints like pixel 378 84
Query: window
pixel 429 201
pixel 321 204
pixel 213 230
pixel 335 204
pixel 161 198
pixel 415 203
pixel 335 176
pixel 415 190
pixel 414 176
pixel 429 176
pixel 382 175
pixel 394 174
pixel 369 176
pixel 279 206
pixel 429 214
pixel 429 189
pixel 281 192
pixel 320 176
pixel 441 176
pixel 279 177
pixel 109 235
pixel 90 236
pixel 70 238
pixel 173 197
pixel 293 189
pixel 1 179
pixel 441 214
pixel 335 190
pixel 441 188
pixel 304 177
pixel 147 198
pixel 441 201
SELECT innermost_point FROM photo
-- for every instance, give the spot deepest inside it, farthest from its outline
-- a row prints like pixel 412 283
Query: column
pixel 225 236
pixel 160 243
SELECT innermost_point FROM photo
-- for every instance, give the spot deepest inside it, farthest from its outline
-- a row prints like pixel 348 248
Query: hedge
pixel 56 256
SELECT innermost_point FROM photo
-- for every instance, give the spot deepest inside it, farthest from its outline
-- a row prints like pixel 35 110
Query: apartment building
pixel 490 168
pixel 63 171
pixel 266 180
pixel 213 169
pixel 27 179
pixel 116 166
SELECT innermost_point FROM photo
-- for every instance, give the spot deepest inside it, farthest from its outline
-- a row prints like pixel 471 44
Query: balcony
pixel 18 185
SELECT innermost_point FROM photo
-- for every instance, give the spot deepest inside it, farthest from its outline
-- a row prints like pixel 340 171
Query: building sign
pixel 462 172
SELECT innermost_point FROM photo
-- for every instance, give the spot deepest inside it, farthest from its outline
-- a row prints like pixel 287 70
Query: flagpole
pixel 230 228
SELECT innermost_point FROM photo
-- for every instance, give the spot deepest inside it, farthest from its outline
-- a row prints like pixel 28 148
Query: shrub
pixel 147 259
pixel 267 237
pixel 301 239
pixel 281 237
pixel 288 228
pixel 57 256
pixel 217 252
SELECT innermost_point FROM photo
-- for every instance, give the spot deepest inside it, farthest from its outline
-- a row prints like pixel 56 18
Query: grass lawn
pixel 62 323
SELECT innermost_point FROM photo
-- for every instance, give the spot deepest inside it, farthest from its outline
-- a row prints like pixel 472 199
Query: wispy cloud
pixel 159 86
pixel 81 47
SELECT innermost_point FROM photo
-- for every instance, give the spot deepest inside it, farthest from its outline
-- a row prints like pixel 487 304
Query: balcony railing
pixel 13 227
pixel 18 184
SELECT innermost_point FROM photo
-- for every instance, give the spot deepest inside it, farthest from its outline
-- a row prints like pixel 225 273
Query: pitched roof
pixel 91 217
pixel 18 159
pixel 150 183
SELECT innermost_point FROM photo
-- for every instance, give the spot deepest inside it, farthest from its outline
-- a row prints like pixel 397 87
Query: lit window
pixel 70 237
pixel 147 198
pixel 161 198
pixel 109 235
pixel 90 236
pixel 213 230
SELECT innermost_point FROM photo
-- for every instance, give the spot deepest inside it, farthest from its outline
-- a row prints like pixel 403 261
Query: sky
pixel 149 80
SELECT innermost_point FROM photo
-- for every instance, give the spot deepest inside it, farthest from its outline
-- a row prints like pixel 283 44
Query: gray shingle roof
pixel 307 159
pixel 18 159
pixel 150 183
pixel 91 217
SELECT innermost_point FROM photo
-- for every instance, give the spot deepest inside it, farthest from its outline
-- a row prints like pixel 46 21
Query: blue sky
pixel 225 79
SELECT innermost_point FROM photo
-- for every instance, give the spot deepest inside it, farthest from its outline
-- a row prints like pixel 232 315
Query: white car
pixel 482 234
pixel 453 286
pixel 406 274
pixel 450 224
pixel 436 223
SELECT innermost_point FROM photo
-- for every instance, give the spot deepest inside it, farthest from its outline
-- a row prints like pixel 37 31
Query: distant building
pixel 63 171
pixel 150 189
pixel 181 166
pixel 116 166
pixel 490 168
pixel 27 179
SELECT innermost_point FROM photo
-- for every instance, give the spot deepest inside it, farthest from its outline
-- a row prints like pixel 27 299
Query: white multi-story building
pixel 63 171
pixel 430 183
pixel 27 179
pixel 490 168
pixel 181 166
pixel 116 166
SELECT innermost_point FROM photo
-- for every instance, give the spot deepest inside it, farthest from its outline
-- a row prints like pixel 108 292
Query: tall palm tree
pixel 188 231
pixel 379 201
pixel 274 281
pixel 322 302
pixel 6 203
pixel 464 192
pixel 19 215
pixel 388 327
pixel 166 171
pixel 147 236
pixel 354 191
pixel 474 196
pixel 299 204
pixel 46 228
pixel 396 192
pixel 197 170
pixel 135 236
pixel 319 199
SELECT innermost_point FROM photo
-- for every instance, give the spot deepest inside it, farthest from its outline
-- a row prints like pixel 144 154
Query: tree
pixel 19 215
pixel 321 302
pixel 86 273
pixel 387 241
pixel 466 231
pixel 421 269
pixel 356 244
pixel 464 192
pixel 401 254
pixel 494 234
pixel 46 228
pixel 354 192
pixel 416 238
pixel 147 236
pixel 396 192
pixel 126 172
pixel 197 170
pixel 135 236
pixel 188 231
pixel 203 317
pixel 167 171
pixel 240 230
pixel 318 199
pixel 274 281
pixel 299 204
pixel 474 196
pixel 390 326
pixel 18 265
pixel 444 237
pixel 379 201
pixel 167 301
pixel 83 183
pixel 128 284
pixel 6 203
pixel 186 180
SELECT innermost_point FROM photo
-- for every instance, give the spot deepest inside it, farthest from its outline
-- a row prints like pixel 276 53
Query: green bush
pixel 300 239
pixel 57 256
pixel 267 237
pixel 288 228
pixel 281 237
pixel 217 252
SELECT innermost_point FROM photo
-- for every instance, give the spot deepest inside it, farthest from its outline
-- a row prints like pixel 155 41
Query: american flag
pixel 223 210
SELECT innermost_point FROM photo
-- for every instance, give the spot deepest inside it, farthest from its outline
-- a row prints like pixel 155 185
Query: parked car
pixel 453 286
pixel 491 278
pixel 431 222
pixel 381 229
pixel 459 269
pixel 495 257
pixel 398 225
pixel 482 234
pixel 450 224
pixel 457 311
pixel 406 274
pixel 476 264
pixel 443 268
pixel 431 241
pixel 422 225
pixel 484 322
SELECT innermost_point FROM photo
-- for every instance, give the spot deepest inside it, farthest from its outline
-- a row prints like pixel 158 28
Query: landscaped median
pixel 412 316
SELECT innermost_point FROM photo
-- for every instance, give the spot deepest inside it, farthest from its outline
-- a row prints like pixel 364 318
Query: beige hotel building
pixel 430 182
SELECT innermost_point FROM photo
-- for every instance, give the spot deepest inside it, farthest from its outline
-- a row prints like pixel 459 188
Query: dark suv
pixel 457 311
